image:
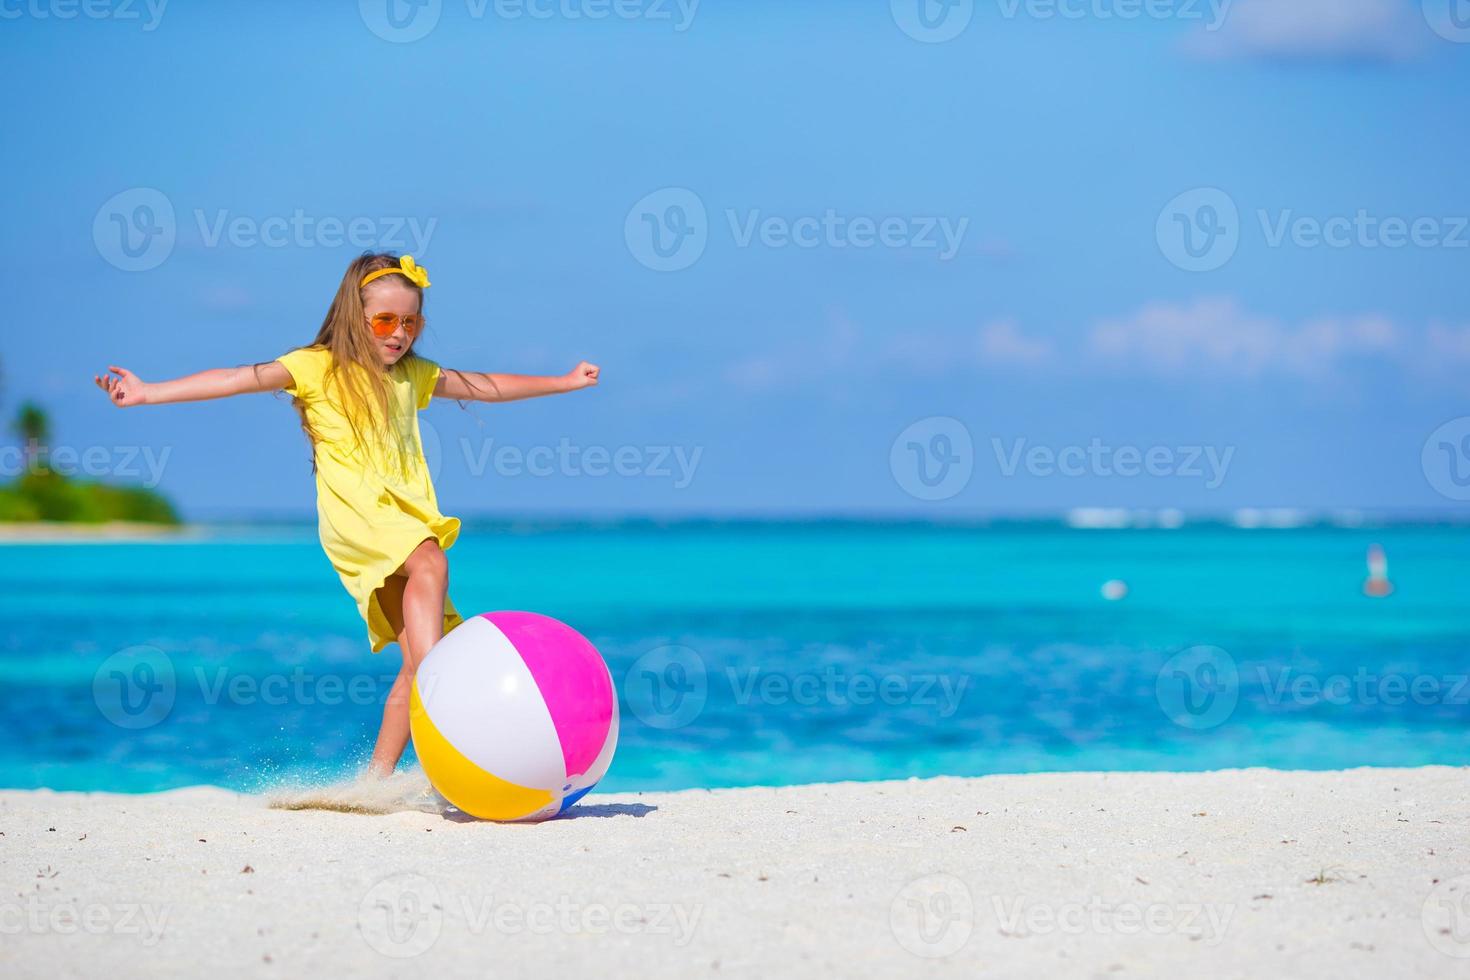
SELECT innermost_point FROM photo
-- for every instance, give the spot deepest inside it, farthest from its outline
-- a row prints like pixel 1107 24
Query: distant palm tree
pixel 33 426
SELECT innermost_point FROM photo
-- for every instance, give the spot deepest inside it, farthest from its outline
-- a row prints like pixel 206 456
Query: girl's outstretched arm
pixel 482 387
pixel 127 389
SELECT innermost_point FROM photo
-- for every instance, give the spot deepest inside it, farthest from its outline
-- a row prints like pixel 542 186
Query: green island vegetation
pixel 39 493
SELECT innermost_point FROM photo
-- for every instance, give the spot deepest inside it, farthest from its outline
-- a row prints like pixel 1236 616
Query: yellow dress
pixel 372 514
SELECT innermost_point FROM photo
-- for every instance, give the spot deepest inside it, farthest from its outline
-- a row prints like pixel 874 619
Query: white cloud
pixel 1315 30
pixel 1002 343
pixel 1446 345
pixel 1216 335
pixel 1209 337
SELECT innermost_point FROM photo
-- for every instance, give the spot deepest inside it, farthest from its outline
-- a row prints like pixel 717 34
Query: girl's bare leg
pixel 393 732
pixel 413 602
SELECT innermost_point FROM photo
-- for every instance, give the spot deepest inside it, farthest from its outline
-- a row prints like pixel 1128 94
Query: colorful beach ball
pixel 514 716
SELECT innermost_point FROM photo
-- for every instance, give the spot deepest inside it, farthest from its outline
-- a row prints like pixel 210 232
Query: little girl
pixel 358 388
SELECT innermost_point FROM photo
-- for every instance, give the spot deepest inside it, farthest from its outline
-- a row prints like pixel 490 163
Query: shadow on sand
pixel 575 813
pixel 608 810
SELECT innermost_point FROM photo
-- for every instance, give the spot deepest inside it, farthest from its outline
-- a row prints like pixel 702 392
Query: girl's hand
pixel 125 390
pixel 584 375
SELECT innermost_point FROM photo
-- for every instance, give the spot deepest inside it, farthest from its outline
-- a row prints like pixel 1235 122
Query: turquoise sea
pixel 767 653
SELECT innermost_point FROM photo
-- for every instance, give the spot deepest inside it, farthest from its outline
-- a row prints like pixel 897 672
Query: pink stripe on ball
pixel 572 678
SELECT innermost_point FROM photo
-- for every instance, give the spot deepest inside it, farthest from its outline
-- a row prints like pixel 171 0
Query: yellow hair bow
pixel 416 273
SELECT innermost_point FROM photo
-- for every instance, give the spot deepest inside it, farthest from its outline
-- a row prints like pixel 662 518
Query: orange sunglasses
pixel 384 324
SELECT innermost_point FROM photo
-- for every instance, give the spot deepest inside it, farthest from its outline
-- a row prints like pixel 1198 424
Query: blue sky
pixel 1066 155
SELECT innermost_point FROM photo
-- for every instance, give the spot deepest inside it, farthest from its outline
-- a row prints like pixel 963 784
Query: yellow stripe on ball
pixel 477 792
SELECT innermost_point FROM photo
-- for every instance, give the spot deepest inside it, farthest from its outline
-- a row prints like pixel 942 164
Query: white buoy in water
pixel 1114 589
pixel 1377 584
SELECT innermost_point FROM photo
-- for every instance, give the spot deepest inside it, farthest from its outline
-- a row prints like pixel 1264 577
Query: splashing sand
pixel 403 791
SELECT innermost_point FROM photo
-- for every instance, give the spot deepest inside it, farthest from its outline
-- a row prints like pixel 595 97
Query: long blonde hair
pixel 357 368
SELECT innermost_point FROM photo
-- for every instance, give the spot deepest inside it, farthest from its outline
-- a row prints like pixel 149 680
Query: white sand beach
pixel 106 532
pixel 1250 873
